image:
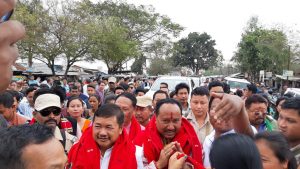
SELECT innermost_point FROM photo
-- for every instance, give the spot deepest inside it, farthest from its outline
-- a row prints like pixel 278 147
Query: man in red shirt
pixel 168 133
pixel 127 102
pixel 106 145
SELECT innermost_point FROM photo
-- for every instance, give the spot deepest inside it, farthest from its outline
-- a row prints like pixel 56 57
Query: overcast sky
pixel 225 20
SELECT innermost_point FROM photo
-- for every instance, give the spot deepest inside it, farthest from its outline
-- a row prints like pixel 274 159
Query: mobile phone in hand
pixel 6 16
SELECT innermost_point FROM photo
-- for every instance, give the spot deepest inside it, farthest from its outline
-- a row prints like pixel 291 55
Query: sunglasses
pixel 6 16
pixel 47 112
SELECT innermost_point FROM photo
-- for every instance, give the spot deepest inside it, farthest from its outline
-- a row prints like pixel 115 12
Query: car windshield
pixel 171 83
pixel 237 85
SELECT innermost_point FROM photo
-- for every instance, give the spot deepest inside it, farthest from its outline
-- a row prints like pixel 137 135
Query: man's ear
pixel 121 131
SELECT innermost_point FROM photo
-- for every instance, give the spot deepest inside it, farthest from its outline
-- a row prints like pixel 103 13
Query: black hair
pixel 239 92
pixel 160 91
pixel 14 140
pixel 6 99
pixel 109 98
pixel 30 89
pixel 43 86
pixel 252 88
pixel 172 94
pixel 129 96
pixel 15 94
pixel 92 86
pixel 110 110
pixel 167 101
pixel 181 86
pixel 124 85
pixel 256 98
pixel 119 88
pixel 280 99
pixel 139 89
pixel 215 84
pixel 164 83
pixel 200 91
pixel 61 92
pixel 279 145
pixel 243 153
pixel 74 98
pixel 100 81
pixel 226 88
pixel 292 103
pixel 75 88
pixel 95 95
pixel 56 83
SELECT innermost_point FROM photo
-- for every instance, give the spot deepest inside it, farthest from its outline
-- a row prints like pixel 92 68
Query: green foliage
pixel 113 32
pixel 159 66
pixel 261 49
pixel 196 52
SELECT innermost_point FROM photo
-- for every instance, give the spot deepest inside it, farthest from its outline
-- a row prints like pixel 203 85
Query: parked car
pixel 172 81
pixel 235 83
pixel 295 92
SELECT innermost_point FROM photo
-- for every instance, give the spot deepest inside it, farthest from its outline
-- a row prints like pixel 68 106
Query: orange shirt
pixel 85 125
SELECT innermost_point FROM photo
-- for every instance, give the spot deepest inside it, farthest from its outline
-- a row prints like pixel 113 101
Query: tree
pixel 55 30
pixel 111 44
pixel 139 64
pixel 158 66
pixel 197 52
pixel 143 25
pixel 261 49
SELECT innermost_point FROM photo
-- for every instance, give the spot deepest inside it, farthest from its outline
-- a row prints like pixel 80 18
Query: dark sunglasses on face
pixel 6 16
pixel 47 112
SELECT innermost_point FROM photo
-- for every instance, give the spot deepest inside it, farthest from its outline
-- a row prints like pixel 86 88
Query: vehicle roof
pixel 174 77
pixel 236 79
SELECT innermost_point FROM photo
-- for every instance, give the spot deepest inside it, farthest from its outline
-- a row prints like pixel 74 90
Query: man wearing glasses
pixel 48 112
pixel 11 32
pixel 256 106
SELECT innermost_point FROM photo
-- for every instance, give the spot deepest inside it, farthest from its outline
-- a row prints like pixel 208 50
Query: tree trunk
pixel 67 70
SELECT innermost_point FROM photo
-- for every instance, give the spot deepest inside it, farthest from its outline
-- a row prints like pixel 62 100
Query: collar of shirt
pixel 127 128
pixel 104 159
pixel 191 118
pixel 57 134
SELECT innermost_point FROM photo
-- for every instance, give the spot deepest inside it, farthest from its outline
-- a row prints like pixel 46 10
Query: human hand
pixel 11 32
pixel 229 106
pixel 177 160
pixel 6 6
pixel 165 154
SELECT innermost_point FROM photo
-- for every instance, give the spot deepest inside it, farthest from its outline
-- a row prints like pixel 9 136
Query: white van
pixel 235 83
pixel 172 81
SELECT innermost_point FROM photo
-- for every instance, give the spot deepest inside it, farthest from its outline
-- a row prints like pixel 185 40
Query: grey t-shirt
pixel 3 123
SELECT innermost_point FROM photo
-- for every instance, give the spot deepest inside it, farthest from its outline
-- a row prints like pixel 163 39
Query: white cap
pixel 112 79
pixel 46 100
pixel 143 101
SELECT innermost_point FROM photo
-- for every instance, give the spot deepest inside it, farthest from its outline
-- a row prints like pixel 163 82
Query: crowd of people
pixel 110 124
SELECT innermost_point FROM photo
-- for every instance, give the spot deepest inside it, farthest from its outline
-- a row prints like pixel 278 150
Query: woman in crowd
pixel 234 151
pixel 274 151
pixel 75 109
pixel 95 102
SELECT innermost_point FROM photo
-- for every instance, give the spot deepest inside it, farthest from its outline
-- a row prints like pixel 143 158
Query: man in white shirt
pixel 233 123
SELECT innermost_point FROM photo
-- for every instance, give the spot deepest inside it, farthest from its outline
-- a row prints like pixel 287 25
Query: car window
pixel 171 83
pixel 236 85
